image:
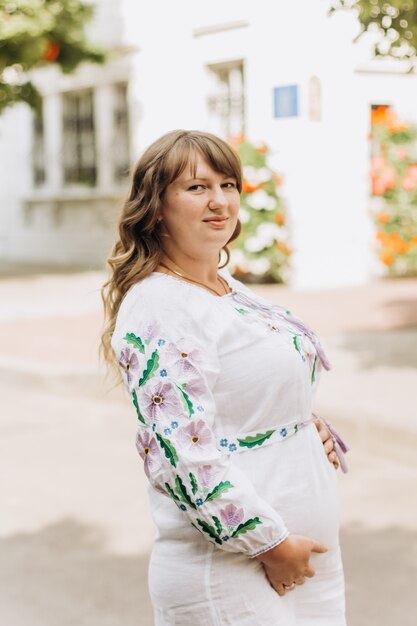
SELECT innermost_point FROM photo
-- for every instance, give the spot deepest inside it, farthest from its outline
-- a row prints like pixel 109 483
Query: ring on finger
pixel 289 587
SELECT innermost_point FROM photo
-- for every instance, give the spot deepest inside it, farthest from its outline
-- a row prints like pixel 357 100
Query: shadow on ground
pixel 381 575
pixel 396 348
pixel 63 576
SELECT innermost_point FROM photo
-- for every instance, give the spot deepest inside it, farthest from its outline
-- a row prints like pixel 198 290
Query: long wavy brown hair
pixel 138 250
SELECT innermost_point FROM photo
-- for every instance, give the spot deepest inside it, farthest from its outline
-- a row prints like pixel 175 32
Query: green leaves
pixel 171 492
pixel 194 484
pixel 209 530
pixel 151 368
pixel 135 341
pixel 219 490
pixel 313 373
pixel 182 492
pixel 296 342
pixel 36 33
pixel 135 402
pixel 168 448
pixel 255 440
pixel 250 524
pixel 393 23
pixel 217 524
pixel 188 405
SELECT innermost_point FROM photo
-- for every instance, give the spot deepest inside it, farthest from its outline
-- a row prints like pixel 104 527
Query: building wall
pixel 164 52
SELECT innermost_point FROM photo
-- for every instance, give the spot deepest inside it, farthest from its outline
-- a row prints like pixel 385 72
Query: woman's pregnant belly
pixel 296 478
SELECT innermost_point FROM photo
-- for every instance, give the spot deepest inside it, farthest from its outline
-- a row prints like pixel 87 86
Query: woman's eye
pixel 229 185
pixel 196 187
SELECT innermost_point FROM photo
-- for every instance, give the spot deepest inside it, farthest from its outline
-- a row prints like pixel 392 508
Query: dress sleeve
pixel 170 373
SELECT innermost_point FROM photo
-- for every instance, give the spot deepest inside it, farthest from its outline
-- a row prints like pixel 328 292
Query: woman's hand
pixel 288 564
pixel 327 441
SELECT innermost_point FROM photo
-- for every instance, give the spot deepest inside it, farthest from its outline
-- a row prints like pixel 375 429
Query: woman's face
pixel 199 214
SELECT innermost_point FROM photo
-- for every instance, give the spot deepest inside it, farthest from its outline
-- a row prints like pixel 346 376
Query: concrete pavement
pixel 75 529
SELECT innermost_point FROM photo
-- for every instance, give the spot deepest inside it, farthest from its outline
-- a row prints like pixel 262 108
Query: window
pixel 226 100
pixel 38 152
pixel 120 145
pixel 79 151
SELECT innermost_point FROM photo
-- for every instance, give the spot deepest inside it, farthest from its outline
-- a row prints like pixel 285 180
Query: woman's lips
pixel 216 222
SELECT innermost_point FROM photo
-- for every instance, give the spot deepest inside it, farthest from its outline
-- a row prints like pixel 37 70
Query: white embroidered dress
pixel 222 388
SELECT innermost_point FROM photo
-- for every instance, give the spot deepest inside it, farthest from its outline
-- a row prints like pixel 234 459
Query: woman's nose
pixel 217 199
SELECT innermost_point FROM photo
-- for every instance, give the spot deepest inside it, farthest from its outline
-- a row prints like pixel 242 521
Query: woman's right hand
pixel 289 562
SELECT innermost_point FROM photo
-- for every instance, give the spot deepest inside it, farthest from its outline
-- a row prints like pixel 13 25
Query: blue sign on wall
pixel 286 101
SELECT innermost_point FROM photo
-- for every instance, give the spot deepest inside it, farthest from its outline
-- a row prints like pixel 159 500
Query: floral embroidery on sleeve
pixel 174 441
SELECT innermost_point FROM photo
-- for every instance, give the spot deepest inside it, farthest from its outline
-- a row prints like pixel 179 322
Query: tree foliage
pixel 394 21
pixel 35 33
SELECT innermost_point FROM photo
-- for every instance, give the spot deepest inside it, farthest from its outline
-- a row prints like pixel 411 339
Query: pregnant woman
pixel 241 491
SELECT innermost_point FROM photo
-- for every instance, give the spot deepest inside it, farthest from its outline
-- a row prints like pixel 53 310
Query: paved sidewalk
pixel 75 529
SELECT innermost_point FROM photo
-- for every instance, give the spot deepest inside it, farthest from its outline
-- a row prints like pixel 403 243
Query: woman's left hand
pixel 327 441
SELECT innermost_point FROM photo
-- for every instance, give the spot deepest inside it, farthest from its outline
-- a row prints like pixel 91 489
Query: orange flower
pixel 280 219
pixel 383 176
pixel 283 247
pixel 249 187
pixel 402 247
pixel 277 180
pixel 413 241
pixel 382 218
pixel 236 139
pixel 381 236
pixel 262 148
pixel 386 258
pixel 52 52
pixel 379 114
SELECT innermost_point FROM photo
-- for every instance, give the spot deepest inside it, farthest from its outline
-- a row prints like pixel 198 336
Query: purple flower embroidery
pixel 129 362
pixel 160 400
pixel 195 436
pixel 184 358
pixel 207 476
pixel 150 331
pixel 231 515
pixel 195 387
pixel 149 452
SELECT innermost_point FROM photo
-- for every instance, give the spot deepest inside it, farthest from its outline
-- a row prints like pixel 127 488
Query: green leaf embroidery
pixel 194 484
pixel 242 311
pixel 296 429
pixel 217 524
pixel 171 492
pixel 186 399
pixel 168 448
pixel 313 373
pixel 248 525
pixel 182 492
pixel 210 531
pixel 255 440
pixel 151 368
pixel 296 342
pixel 135 341
pixel 135 402
pixel 219 490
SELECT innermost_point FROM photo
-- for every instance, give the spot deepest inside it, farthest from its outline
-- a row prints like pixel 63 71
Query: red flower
pixel 52 52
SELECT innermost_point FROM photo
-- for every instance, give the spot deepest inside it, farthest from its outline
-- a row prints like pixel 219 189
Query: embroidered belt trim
pixel 256 439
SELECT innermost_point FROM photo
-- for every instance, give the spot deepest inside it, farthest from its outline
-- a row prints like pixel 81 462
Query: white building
pixel 213 66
